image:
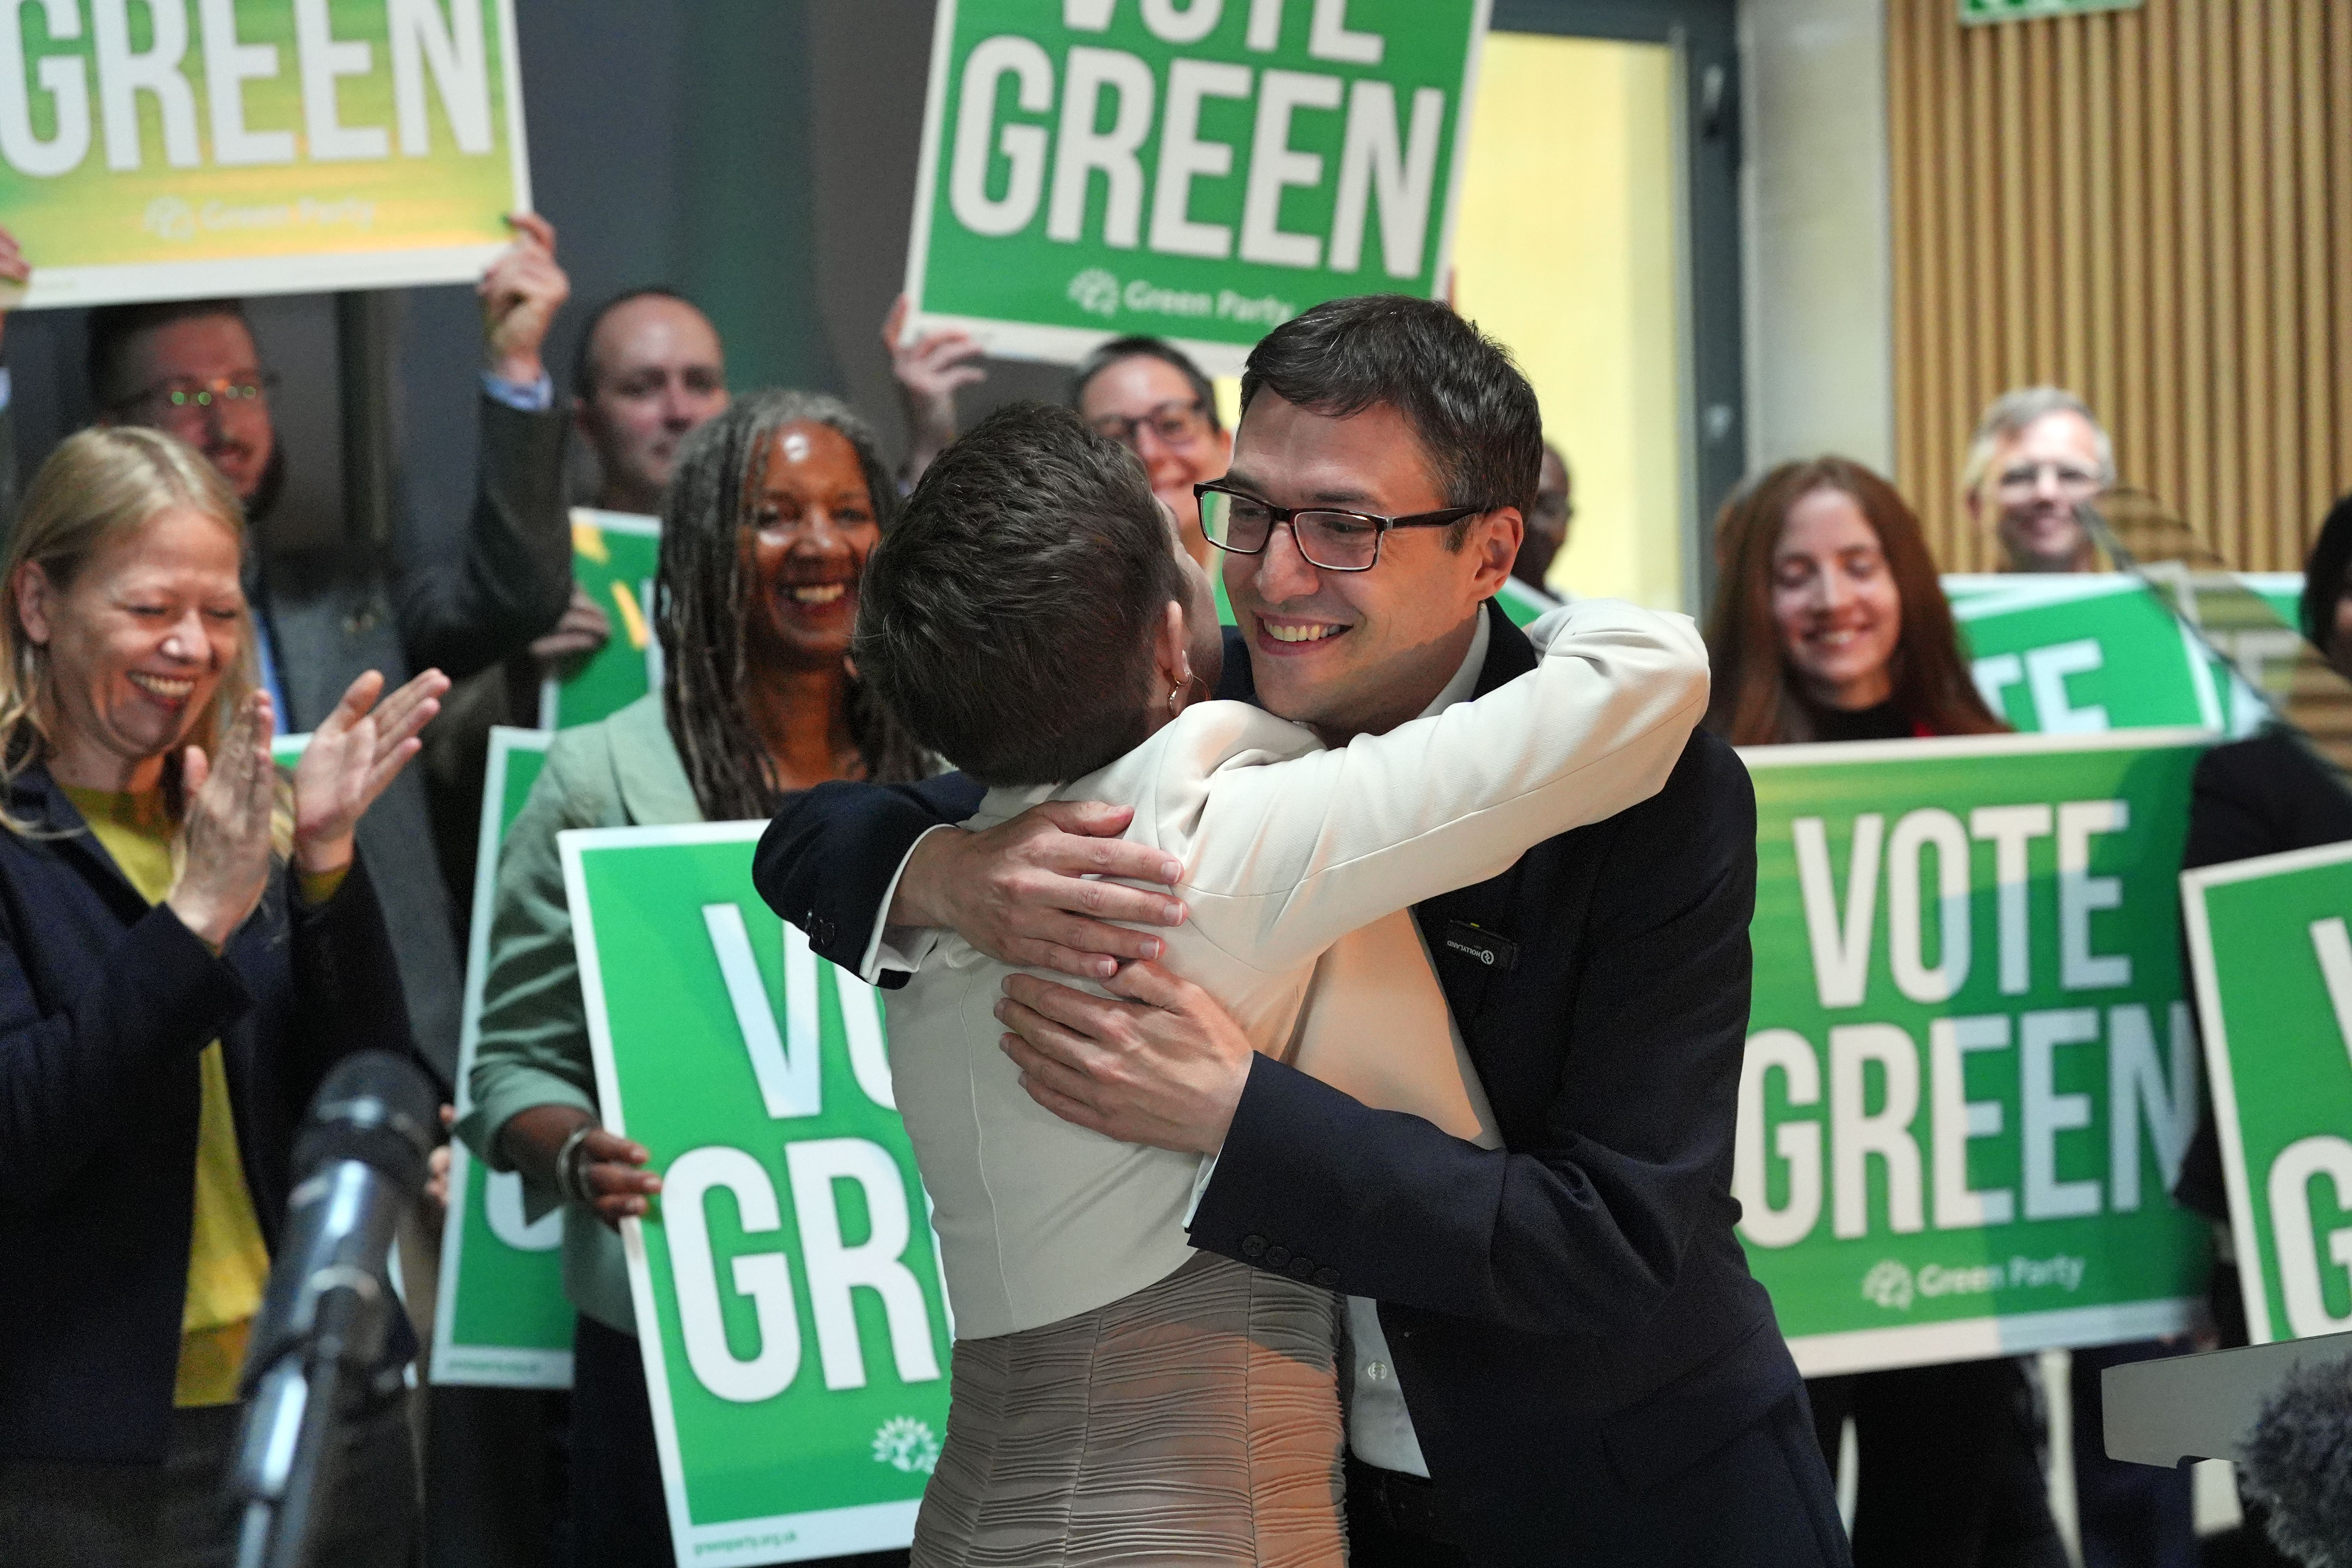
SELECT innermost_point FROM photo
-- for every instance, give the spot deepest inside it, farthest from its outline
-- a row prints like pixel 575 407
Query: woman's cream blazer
pixel 1288 848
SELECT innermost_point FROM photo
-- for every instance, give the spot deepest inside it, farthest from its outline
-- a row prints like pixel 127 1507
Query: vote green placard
pixel 2274 965
pixel 1201 172
pixel 1970 1074
pixel 789 1300
pixel 501 1319
pixel 614 555
pixel 184 147
pixel 2077 655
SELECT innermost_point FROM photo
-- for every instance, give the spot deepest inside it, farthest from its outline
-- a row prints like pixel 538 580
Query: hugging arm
pixel 1288 857
pixel 859 867
pixel 1584 1226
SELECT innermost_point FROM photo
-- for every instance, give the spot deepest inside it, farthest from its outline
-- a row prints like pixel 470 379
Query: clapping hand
pixel 359 750
pixel 521 293
pixel 229 797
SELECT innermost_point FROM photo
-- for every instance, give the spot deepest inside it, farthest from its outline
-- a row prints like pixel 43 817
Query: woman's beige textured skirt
pixel 1194 1421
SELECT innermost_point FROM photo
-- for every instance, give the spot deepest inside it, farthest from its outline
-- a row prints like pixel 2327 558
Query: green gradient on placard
pixel 96 216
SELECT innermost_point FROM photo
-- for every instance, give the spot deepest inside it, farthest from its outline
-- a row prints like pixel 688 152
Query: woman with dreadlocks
pixel 770 516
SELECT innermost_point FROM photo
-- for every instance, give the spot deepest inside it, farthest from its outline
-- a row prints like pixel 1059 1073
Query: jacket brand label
pixel 1481 946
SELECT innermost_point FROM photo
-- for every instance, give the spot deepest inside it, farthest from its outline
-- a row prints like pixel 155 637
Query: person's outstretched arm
pixel 1285 858
pixel 463 610
pixel 1581 1227
pixel 860 869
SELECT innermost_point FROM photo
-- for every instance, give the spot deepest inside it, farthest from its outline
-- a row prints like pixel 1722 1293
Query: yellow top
pixel 228 1263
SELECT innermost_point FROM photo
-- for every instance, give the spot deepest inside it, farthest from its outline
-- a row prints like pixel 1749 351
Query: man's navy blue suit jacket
pixel 1572 1320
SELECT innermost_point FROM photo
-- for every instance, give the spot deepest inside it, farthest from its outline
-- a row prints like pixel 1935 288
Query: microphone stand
pixel 286 1461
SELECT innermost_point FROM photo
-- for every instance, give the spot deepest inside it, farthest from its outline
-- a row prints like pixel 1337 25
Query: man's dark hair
pixel 583 358
pixel 1160 349
pixel 111 328
pixel 1008 618
pixel 1475 413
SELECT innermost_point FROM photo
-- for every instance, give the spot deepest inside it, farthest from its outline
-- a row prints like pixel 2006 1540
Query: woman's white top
pixel 1287 847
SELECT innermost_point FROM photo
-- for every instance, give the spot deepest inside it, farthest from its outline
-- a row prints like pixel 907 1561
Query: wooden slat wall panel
pixel 2154 208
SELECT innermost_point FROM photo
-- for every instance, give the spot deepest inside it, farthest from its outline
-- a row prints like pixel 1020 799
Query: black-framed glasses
pixel 1330 540
pixel 1179 422
pixel 187 397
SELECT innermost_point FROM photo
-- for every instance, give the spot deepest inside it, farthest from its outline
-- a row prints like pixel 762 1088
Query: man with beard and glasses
pixel 1558 1354
pixel 329 603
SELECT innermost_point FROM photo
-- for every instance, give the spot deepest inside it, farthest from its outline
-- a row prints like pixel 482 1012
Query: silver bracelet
pixel 567 1166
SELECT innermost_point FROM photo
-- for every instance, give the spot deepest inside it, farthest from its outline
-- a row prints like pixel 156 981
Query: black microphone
pixel 359 1159
pixel 2297 1464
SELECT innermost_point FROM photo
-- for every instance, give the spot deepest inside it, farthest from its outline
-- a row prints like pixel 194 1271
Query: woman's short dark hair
pixel 1473 412
pixel 1008 618
pixel 2324 575
pixel 1160 349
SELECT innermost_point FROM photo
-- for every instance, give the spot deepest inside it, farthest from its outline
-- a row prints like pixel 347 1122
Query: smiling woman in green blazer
pixel 774 509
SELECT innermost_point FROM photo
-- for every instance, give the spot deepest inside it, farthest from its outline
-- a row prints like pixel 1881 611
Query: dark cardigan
pixel 106 1004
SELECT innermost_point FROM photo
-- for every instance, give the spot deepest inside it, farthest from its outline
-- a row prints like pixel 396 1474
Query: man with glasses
pixel 2037 456
pixel 328 604
pixel 1144 392
pixel 1556 1352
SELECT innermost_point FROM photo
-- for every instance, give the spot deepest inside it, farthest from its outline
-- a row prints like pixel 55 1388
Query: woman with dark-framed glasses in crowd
pixel 1144 392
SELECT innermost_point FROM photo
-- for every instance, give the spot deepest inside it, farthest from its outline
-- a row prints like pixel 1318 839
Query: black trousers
pixel 1950 1466
pixel 1764 1500
pixel 2134 1516
pixel 620 1515
pixel 177 1514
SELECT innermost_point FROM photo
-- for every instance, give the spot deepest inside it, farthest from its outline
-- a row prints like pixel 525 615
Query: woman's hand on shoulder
pixel 226 830
pixel 357 751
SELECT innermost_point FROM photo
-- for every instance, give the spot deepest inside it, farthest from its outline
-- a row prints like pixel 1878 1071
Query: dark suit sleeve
pixel 161 997
pixel 828 861
pixel 346 986
pixel 464 611
pixel 1583 1226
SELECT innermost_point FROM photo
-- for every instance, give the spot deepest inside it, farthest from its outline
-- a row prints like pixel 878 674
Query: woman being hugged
pixel 186 947
pixel 771 514
pixel 1830 625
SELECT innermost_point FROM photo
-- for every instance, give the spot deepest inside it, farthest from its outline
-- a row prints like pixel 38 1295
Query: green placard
pixel 614 555
pixel 1202 172
pixel 2274 967
pixel 788 1291
pixel 501 1319
pixel 1523 605
pixel 2082 654
pixel 1976 11
pixel 186 148
pixel 1970 1075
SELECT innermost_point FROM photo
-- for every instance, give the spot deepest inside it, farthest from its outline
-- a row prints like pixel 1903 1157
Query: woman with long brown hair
pixel 1829 625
